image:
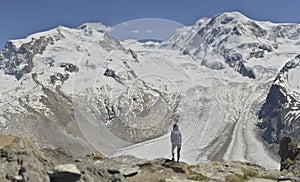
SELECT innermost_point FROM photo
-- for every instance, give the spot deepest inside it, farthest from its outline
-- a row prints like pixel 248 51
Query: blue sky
pixel 20 18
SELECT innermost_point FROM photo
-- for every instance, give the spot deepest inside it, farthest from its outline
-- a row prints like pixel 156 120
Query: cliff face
pixel 280 113
pixel 22 160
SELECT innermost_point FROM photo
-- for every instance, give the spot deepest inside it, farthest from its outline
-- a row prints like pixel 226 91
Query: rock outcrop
pixel 289 152
pixel 21 160
pixel 280 113
pixel 65 172
pixel 18 61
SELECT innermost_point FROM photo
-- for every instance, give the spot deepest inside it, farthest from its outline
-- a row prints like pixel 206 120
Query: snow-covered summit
pixel 231 39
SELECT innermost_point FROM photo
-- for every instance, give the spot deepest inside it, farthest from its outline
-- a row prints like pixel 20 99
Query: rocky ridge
pixel 280 113
pixel 22 161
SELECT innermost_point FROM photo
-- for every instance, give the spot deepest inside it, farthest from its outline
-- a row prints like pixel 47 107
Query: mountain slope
pixel 239 42
pixel 281 111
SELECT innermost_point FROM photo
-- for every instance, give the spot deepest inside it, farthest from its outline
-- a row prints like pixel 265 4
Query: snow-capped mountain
pixel 235 40
pixel 222 80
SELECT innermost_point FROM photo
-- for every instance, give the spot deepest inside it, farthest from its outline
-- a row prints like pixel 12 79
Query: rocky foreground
pixel 22 161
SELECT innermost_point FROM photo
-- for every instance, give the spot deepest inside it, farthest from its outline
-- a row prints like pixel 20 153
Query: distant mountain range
pixel 231 83
pixel 150 40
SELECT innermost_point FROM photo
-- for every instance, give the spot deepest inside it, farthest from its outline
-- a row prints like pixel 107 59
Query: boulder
pixel 125 170
pixel 175 166
pixel 96 155
pixel 65 172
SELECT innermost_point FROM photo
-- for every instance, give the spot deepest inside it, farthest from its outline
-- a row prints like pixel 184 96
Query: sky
pixel 20 18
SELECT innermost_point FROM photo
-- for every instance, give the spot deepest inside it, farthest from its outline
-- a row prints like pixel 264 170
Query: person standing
pixel 176 141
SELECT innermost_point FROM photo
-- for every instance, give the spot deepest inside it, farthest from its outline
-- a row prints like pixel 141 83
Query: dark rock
pixel 110 73
pixel 248 45
pixel 22 170
pixel 78 160
pixel 226 20
pixel 110 43
pixel 277 113
pixel 59 77
pixel 257 54
pixel 125 170
pixel 238 30
pixel 101 173
pixel 235 61
pixel 289 151
pixel 113 170
pixel 175 166
pixel 65 172
pixel 265 47
pixel 275 99
pixel 12 57
pixel 134 56
pixel 243 70
pixel 69 67
pixel 185 52
pixel 256 29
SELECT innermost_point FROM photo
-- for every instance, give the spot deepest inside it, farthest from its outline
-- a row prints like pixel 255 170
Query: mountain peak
pixel 235 14
pixel 232 37
pixel 224 18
